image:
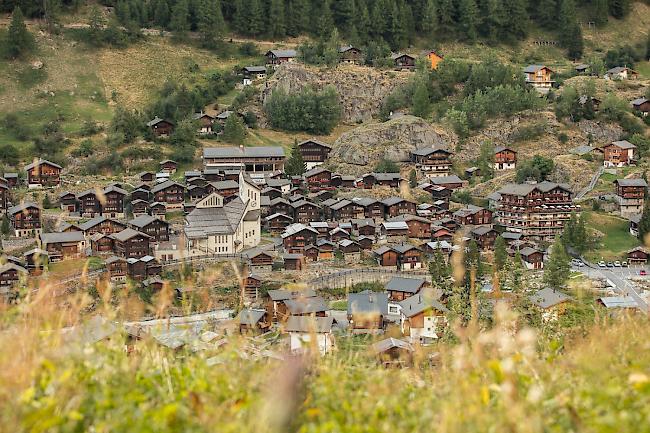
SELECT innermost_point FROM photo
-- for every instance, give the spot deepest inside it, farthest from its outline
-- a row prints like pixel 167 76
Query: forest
pixel 396 23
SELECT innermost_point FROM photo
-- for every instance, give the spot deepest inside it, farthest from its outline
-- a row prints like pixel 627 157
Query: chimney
pixel 241 147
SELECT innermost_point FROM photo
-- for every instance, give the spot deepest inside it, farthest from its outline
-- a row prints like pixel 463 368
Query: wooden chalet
pixel 277 222
pixel 350 250
pixel 394 206
pixel 170 193
pixel 89 204
pixel 621 73
pixel 532 258
pixel 68 202
pixel 344 210
pixel 505 158
pixel 618 154
pixel 10 274
pixel 432 162
pixel 36 260
pixel 252 321
pixel 631 195
pixel 638 255
pixel 409 257
pixel 639 105
pixel 147 176
pixel 12 179
pixel 156 228
pixel 101 244
pixel 394 231
pixel 367 311
pixel 205 122
pixel 473 215
pixel 43 173
pixel 485 236
pixel 158 209
pixel 403 61
pixel 297 236
pixel 451 183
pixel 259 261
pixel 4 196
pixel 318 179
pixel 293 261
pixel 400 288
pixel 253 73
pixel 539 76
pixel 386 256
pixel 131 243
pixel 422 318
pixel 160 127
pixel 350 54
pixel 305 211
pixel 101 224
pixel 418 227
pixel 314 152
pixel 25 219
pixel 168 166
pixel 278 57
pixel 66 245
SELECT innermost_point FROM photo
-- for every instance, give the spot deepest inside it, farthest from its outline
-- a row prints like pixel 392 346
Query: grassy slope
pixel 616 239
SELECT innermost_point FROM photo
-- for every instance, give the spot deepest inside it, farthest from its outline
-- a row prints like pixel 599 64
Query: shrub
pixel 316 112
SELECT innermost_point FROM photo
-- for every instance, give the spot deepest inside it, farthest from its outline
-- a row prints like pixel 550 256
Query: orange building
pixel 435 58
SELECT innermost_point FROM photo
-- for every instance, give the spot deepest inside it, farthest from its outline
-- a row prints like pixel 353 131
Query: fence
pixel 350 277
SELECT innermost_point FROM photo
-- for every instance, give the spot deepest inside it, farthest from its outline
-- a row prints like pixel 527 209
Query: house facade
pixel 630 194
pixel 618 154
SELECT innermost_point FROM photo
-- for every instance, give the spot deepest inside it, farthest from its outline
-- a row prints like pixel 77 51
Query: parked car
pixel 610 264
pixel 617 264
pixel 601 264
pixel 624 264
pixel 577 262
pixel 643 272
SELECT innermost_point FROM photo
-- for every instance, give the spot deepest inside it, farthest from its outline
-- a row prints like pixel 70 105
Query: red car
pixel 643 272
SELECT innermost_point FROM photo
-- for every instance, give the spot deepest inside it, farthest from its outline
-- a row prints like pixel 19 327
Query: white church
pixel 217 228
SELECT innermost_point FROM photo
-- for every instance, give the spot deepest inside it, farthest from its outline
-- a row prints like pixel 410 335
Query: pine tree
pixel 378 20
pixel 180 20
pixel 644 223
pixel 438 268
pixel 295 165
pixel 468 13
pixel 619 8
pixel 238 17
pixel 162 14
pixel 514 23
pixel 500 253
pixel 324 23
pixel 446 16
pixel 51 11
pixel 473 259
pixel 6 225
pixel 19 40
pixel 253 17
pixel 343 14
pixel 490 26
pixel 421 104
pixel 413 178
pixel 516 275
pixel 558 267
pixel 234 130
pixel 362 20
pixel 211 24
pixel 276 28
pixel 429 23
pixel 601 12
pixel 547 13
pixel 485 161
pixel 47 203
pixel 575 43
pixel 297 17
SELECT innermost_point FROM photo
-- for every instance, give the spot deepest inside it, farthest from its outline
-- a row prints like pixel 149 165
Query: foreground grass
pixel 506 378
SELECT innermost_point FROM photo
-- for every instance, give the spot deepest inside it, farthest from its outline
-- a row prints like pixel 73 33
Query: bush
pixel 386 166
pixel 16 127
pixel 85 149
pixel 537 168
pixel 9 154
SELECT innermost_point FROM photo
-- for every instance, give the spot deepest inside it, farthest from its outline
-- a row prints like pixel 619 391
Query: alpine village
pixel 324 215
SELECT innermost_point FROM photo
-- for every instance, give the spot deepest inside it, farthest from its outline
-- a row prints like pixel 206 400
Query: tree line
pixel 395 22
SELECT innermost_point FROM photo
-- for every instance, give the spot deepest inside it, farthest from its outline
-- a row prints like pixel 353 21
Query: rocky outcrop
pixel 361 90
pixel 360 149
pixel 601 132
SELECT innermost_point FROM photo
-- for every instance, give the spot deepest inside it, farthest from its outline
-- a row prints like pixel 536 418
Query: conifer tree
pixel 575 43
pixel 362 20
pixel 491 13
pixel 429 24
pixel 413 178
pixel 514 24
pixel 547 13
pixel 234 130
pixel 468 21
pixel 323 19
pixel 295 165
pixel 446 16
pixel 601 12
pixel 238 17
pixel 253 19
pixel 211 24
pixel 19 40
pixel 500 253
pixel 162 14
pixel 558 267
pixel 180 19
pixel 619 8
pixel 6 225
pixel 277 25
pixel 421 104
pixel 297 17
pixel 644 223
pixel 343 14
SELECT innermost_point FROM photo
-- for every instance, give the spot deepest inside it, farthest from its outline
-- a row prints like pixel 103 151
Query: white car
pixel 602 264
pixel 617 264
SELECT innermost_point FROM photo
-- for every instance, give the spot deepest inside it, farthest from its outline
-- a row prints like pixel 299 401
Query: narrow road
pixel 618 277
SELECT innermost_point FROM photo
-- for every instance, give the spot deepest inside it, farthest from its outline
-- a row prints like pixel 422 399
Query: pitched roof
pixel 9 266
pixel 255 69
pixel 547 298
pixel 444 180
pixel 632 182
pixel 127 234
pixel 534 68
pixel 318 142
pixel 164 185
pixel 22 207
pixel 426 151
pixel 56 237
pixel 156 120
pixel 283 294
pixel 523 189
pixel 418 303
pixel 203 222
pixel 144 220
pixel 395 225
pixel 296 228
pixel 368 302
pixel 41 161
pixel 407 285
pixel 314 304
pixel 319 325
pixel 250 317
pixel 623 144
pixel 638 101
pixel 391 343
pixel 283 53
pixel 498 149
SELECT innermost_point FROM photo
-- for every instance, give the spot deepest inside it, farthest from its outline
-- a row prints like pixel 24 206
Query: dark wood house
pixel 25 219
pixel 314 152
pixel 43 173
pixel 160 127
pixel 131 243
pixel 156 228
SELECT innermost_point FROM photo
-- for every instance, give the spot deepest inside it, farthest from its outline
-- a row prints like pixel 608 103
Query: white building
pixel 422 318
pixel 306 332
pixel 217 228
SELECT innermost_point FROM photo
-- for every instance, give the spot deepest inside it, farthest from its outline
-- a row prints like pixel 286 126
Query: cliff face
pixel 361 90
pixel 360 149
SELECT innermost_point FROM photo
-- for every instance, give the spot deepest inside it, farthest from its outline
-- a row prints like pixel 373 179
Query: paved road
pixel 620 279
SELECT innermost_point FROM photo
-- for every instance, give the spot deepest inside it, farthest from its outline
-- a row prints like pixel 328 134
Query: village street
pixel 624 279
